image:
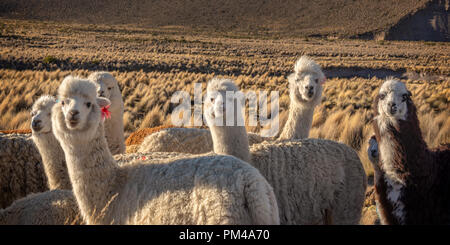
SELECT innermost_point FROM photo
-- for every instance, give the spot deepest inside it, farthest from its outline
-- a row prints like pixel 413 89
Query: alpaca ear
pixel 103 102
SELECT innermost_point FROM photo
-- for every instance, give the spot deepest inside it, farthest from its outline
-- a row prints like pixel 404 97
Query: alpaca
pixel 21 170
pixel 55 207
pixel 108 87
pixel 309 176
pixel 414 184
pixel 305 92
pixel 205 189
pixel 51 152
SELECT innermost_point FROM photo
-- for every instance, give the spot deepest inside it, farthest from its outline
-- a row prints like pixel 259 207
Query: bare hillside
pixel 289 17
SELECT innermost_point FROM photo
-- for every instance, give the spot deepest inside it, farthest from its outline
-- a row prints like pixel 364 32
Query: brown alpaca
pixel 414 182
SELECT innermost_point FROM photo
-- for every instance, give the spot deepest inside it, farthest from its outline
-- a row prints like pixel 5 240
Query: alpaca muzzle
pixel 36 125
pixel 393 109
pixel 73 117
pixel 374 153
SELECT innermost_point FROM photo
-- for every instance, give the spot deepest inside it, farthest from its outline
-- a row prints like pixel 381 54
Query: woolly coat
pixel 21 169
pixel 56 207
pixel 308 179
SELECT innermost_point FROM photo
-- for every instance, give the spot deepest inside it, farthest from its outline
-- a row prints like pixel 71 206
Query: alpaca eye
pixel 212 100
pixel 382 96
pixel 109 88
pixel 49 114
pixel 404 97
pixel 88 104
pixel 62 102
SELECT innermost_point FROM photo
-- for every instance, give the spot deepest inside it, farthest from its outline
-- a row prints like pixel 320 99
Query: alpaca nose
pixel 310 90
pixel 36 124
pixel 73 113
pixel 392 107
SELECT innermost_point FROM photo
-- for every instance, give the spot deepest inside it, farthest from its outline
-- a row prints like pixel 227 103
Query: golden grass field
pixel 151 64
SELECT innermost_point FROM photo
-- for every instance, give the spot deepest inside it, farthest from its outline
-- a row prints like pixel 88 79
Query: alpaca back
pixel 350 200
pixel 56 207
pixel 206 189
pixel 305 175
pixel 21 170
pixel 185 140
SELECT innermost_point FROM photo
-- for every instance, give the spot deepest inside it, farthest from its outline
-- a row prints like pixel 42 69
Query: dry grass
pixel 150 66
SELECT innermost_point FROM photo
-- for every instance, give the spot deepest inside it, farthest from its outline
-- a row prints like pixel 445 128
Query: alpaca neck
pixel 114 128
pixel 53 160
pixel 298 123
pixel 231 140
pixel 404 153
pixel 93 173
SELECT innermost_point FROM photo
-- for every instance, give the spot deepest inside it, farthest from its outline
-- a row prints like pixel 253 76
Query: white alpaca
pixel 311 178
pixel 56 207
pixel 305 92
pixel 305 89
pixel 108 87
pixel 49 148
pixel 195 190
pixel 21 170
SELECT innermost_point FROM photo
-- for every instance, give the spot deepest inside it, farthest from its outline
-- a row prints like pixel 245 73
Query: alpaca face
pixel 76 110
pixel 221 99
pixel 372 150
pixel 107 85
pixel 392 100
pixel 215 107
pixel 306 86
pixel 41 114
pixel 106 88
pixel 41 120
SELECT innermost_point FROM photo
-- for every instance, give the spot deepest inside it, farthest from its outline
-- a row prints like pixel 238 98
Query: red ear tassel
pixel 105 112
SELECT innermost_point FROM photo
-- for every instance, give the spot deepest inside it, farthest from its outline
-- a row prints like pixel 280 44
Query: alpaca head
pixel 305 84
pixel 107 85
pixel 216 101
pixel 372 150
pixel 393 99
pixel 41 122
pixel 79 109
